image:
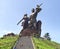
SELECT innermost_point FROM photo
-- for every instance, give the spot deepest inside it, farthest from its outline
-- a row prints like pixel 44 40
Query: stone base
pixel 28 32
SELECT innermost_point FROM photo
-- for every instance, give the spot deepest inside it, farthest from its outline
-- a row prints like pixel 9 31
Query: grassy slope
pixel 45 44
pixel 8 42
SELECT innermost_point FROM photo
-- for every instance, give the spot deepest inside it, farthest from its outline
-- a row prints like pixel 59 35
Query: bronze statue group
pixel 31 21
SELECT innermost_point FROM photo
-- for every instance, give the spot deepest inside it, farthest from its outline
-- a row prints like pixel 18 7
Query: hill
pixel 45 44
pixel 8 42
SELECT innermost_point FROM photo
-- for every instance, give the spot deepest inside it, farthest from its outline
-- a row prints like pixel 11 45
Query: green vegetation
pixel 9 41
pixel 45 44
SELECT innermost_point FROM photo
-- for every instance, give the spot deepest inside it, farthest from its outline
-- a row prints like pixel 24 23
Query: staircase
pixel 24 42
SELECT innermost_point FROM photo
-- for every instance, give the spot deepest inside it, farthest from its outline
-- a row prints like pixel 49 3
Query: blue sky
pixel 11 11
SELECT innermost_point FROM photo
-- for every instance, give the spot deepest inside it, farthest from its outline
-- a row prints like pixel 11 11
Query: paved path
pixel 24 43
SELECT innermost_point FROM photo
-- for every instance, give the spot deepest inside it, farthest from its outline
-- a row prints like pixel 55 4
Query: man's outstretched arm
pixel 19 21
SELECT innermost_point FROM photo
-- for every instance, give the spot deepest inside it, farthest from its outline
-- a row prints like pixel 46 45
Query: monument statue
pixel 30 24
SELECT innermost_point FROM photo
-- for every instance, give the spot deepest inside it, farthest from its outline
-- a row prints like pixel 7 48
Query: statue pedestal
pixel 28 32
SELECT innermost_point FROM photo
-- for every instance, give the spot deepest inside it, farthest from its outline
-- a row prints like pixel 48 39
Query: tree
pixel 47 36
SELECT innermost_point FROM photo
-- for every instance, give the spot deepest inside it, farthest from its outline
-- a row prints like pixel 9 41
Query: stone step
pixel 24 42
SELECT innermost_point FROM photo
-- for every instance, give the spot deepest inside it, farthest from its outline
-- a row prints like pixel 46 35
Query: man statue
pixel 33 16
pixel 25 22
